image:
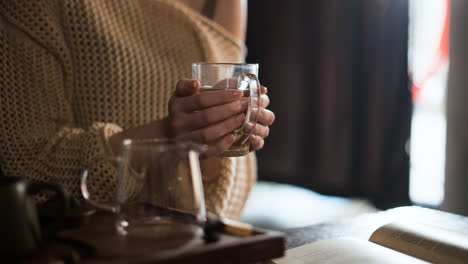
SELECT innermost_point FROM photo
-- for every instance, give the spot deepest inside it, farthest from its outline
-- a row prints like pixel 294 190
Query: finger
pixel 266 117
pixel 261 131
pixel 256 142
pixel 264 100
pixel 263 89
pixel 208 99
pixel 218 148
pixel 187 87
pixel 214 132
pixel 212 115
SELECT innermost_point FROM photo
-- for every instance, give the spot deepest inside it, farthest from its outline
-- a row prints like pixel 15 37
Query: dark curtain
pixel 338 82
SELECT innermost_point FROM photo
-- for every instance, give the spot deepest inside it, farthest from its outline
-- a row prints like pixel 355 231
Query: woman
pixel 77 77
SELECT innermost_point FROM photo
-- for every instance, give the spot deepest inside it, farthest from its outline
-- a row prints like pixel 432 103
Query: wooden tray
pixel 105 246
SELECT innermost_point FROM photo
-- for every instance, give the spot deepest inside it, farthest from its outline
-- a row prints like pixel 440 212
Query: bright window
pixel 428 67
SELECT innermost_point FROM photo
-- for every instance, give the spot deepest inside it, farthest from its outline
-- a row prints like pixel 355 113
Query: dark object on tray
pixel 21 231
pixel 78 214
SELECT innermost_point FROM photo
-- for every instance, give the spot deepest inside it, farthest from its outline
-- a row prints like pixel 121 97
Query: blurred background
pixel 359 89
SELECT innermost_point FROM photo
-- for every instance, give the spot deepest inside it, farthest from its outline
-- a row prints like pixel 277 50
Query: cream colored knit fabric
pixel 72 73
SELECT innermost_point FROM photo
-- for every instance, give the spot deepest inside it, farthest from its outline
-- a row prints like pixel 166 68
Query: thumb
pixel 187 87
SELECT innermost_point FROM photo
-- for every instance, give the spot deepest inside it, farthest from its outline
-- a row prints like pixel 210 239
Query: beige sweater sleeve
pixel 39 139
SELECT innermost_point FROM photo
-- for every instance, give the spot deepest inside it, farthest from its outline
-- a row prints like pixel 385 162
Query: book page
pixel 423 242
pixel 343 250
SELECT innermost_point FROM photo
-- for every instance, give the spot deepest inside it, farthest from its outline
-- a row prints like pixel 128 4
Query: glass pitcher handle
pixel 84 186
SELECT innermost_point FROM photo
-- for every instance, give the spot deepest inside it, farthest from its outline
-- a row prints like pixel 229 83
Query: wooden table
pixel 364 225
pixel 257 248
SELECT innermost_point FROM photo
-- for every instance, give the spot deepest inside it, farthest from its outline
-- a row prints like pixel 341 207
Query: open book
pixel 392 243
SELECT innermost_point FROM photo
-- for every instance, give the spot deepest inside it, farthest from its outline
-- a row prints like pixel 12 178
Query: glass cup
pixel 220 76
pixel 159 191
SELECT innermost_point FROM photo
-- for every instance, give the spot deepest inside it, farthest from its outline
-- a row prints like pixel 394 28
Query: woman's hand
pixel 207 118
pixel 265 119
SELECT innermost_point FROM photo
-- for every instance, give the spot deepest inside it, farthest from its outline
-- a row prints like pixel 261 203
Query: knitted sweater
pixel 73 73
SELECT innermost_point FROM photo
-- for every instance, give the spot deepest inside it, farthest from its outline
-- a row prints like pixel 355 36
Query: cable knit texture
pixel 73 73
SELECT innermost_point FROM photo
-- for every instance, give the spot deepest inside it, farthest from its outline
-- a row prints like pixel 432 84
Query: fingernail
pixel 249 126
pixel 194 84
pixel 266 89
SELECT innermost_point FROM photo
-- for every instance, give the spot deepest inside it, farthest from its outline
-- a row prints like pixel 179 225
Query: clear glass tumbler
pixel 220 76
